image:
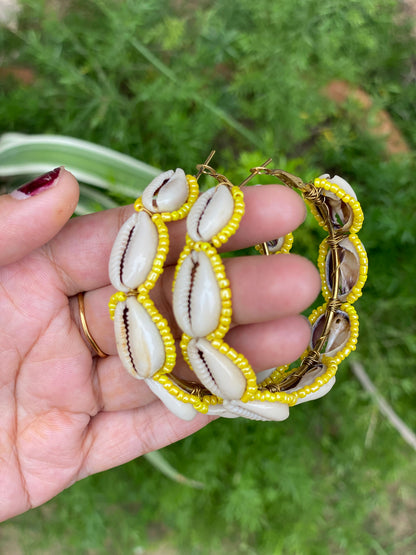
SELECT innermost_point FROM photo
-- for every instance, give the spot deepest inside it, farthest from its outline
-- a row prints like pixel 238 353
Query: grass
pixel 164 81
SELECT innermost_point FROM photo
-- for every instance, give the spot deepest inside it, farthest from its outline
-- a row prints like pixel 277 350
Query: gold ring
pixel 85 329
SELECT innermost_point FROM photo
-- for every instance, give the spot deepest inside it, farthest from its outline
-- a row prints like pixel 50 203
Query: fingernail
pixel 38 185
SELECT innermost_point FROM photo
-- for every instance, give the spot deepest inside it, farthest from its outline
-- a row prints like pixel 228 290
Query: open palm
pixel 67 413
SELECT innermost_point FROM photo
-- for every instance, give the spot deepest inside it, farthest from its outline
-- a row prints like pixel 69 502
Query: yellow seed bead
pixel 138 204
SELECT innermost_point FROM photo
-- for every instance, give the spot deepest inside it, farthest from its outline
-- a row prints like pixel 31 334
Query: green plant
pixel 164 81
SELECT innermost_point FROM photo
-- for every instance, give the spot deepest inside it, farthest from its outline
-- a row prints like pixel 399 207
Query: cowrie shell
pixel 349 268
pixel 215 370
pixel 341 183
pixel 322 391
pixel 219 410
pixel 210 213
pixel 275 244
pixel 185 411
pixel 196 296
pixel 139 343
pixel 341 213
pixel 308 379
pixel 167 192
pixel 339 333
pixel 133 252
pixel 258 410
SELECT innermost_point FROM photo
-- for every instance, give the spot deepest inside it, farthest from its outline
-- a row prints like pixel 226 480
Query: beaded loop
pixel 343 266
pixel 200 272
pixel 282 245
pixel 144 340
pixel 202 302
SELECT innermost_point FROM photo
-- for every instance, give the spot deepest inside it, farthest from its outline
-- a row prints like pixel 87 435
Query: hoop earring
pixel 144 340
pixel 343 266
pixel 227 384
pixel 202 297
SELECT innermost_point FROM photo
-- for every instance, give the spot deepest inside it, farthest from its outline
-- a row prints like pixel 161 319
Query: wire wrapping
pixel 334 324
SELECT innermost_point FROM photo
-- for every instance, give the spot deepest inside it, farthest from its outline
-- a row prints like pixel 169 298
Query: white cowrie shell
pixel 340 212
pixel 308 379
pixel 185 411
pixel 139 343
pixel 215 370
pixel 322 391
pixel 341 183
pixel 196 296
pixel 339 333
pixel 275 245
pixel 349 268
pixel 133 252
pixel 211 212
pixel 258 410
pixel 219 410
pixel 167 192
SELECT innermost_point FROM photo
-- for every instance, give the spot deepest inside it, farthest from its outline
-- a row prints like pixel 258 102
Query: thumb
pixel 31 215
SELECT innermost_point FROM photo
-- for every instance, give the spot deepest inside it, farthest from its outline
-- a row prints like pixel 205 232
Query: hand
pixel 66 413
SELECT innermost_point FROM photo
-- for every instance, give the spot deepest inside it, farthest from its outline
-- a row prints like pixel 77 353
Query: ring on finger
pixel 85 329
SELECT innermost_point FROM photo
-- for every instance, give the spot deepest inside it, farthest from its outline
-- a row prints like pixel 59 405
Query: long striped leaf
pixel 90 163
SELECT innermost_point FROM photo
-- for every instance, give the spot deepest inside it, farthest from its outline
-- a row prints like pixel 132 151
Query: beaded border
pixel 331 363
pixel 284 249
pixel 142 291
pixel 183 210
pixel 356 291
pixel 353 337
pixel 229 229
pixel 358 217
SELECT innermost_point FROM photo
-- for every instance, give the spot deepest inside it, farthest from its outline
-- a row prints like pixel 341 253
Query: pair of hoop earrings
pixel 226 383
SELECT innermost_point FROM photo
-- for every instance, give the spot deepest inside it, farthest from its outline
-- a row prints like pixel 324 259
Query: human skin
pixel 66 413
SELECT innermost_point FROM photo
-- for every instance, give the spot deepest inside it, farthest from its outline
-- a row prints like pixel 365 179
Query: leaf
pixel 90 163
pixel 157 460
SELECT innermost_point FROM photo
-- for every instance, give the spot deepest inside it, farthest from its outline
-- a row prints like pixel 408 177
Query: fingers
pixel 269 287
pixel 271 211
pixel 118 390
pixel 34 213
pixel 114 438
pixel 265 345
pixel 266 328
pixel 263 289
pixel 271 344
pixel 117 437
pixel 82 249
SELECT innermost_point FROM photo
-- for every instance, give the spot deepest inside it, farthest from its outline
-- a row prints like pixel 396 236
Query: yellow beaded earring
pixel 202 302
pixel 343 266
pixel 227 384
pixel 144 341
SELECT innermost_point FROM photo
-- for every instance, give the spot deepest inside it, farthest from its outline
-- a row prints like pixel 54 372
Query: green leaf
pixel 90 163
pixel 157 460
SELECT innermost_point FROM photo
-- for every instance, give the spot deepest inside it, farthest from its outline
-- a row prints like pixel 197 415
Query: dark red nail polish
pixel 39 184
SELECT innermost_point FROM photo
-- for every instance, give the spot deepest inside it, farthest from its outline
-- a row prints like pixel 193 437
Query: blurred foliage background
pixel 321 86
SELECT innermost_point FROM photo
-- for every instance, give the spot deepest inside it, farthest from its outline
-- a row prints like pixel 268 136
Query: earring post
pixel 201 166
pixel 255 171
